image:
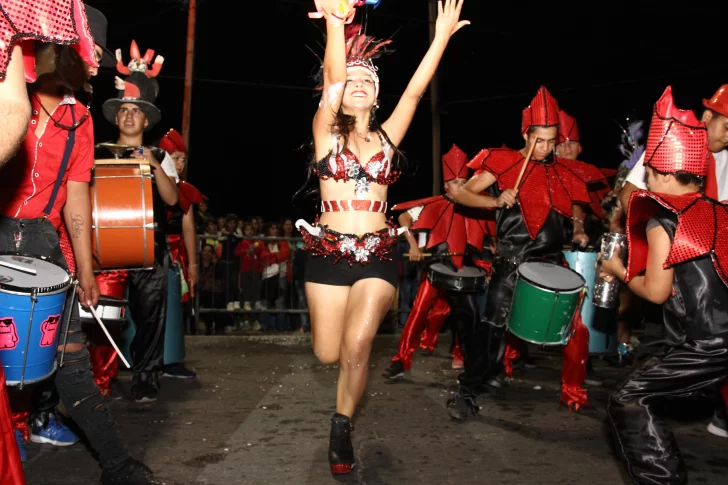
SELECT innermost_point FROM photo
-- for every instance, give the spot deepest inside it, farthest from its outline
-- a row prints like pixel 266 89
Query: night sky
pixel 253 100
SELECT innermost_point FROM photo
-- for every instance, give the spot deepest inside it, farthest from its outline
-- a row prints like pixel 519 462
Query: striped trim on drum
pixel 353 205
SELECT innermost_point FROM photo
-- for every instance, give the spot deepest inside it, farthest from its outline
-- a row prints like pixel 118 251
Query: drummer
pixel 431 308
pixel 134 112
pixel 36 194
pixel 525 232
pixel 689 284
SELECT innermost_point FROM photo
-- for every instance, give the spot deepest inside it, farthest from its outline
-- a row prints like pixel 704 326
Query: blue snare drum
pixel 602 332
pixel 32 297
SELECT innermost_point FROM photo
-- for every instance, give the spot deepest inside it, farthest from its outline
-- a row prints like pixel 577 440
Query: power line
pixel 261 84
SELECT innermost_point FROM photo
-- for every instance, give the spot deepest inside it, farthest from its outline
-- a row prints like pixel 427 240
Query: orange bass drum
pixel 122 212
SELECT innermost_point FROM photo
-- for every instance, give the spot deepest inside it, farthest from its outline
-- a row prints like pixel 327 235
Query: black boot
pixel 341 452
pixel 462 405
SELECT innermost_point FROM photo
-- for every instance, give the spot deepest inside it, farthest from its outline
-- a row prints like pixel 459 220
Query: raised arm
pixel 448 22
pixel 334 77
pixel 14 107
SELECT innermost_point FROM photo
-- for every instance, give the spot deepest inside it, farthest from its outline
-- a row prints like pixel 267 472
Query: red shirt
pixel 27 181
pixel 250 261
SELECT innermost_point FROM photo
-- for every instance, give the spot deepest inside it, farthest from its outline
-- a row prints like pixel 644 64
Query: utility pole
pixel 191 17
pixel 435 106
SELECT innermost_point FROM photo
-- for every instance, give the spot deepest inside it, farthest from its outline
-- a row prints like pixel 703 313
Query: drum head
pixel 21 273
pixel 464 272
pixel 551 276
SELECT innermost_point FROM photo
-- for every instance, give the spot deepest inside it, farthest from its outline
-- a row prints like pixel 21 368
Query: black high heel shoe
pixel 341 452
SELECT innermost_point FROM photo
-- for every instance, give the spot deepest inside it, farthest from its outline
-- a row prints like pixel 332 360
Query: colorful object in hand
pixel 345 10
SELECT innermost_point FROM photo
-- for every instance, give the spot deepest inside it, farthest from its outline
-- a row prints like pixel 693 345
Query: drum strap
pixel 70 141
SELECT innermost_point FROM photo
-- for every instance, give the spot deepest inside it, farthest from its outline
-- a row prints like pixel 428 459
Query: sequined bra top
pixel 342 164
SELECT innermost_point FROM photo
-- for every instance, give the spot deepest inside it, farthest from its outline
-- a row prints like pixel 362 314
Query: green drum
pixel 545 300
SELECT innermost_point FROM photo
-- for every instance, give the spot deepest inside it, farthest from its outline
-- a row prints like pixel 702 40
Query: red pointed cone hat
pixel 719 101
pixel 568 129
pixel 677 141
pixel 454 164
pixel 173 142
pixel 543 111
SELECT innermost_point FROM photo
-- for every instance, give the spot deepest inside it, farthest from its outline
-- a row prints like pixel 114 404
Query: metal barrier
pixel 219 290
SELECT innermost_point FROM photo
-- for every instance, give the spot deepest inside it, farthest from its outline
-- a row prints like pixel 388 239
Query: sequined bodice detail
pixel 342 164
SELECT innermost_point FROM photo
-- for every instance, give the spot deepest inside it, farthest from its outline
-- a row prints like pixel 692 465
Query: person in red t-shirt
pixel 251 267
pixel 31 212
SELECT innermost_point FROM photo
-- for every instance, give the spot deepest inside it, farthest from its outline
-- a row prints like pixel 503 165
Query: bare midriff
pixel 352 222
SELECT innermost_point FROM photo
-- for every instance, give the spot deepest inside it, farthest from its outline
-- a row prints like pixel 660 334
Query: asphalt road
pixel 259 414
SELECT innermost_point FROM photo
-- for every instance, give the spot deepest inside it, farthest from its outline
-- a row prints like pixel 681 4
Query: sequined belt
pixel 353 205
pixel 321 241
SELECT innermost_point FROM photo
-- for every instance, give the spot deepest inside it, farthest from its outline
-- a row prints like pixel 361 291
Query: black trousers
pixel 644 440
pixel 73 381
pixel 491 331
pixel 148 307
pixel 470 328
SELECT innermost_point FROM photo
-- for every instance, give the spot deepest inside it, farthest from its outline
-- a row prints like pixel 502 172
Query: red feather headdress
pixel 361 51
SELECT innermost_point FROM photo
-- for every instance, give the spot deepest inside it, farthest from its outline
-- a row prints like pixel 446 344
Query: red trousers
pixel 573 370
pixel 11 469
pixel 104 361
pixel 429 312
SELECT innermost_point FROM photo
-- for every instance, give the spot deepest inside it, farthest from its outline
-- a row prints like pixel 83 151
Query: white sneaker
pixel 257 326
pixel 236 305
pixel 247 307
pixel 230 306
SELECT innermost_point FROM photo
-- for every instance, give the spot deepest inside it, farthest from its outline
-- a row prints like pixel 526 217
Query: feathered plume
pixel 362 47
pixel 631 147
pixel 361 50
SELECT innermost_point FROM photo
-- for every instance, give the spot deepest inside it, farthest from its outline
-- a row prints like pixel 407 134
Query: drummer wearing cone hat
pixel 531 212
pixel 715 117
pixel 676 260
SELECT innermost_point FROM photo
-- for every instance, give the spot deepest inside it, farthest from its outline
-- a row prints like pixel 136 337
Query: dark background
pixel 253 102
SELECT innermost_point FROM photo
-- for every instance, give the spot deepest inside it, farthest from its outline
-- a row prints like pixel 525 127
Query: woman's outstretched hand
pixel 448 18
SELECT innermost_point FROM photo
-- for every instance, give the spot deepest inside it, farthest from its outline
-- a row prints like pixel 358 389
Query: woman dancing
pixel 350 276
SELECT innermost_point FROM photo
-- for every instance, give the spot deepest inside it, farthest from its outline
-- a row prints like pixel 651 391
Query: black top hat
pixel 140 90
pixel 98 24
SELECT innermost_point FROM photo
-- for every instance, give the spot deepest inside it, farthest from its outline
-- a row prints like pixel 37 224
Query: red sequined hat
pixel 719 101
pixel 173 142
pixel 543 111
pixel 568 129
pixel 677 141
pixel 454 164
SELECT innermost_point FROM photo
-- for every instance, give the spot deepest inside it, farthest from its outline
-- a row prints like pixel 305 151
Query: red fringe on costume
pixel 104 361
pixel 573 372
pixel 514 348
pixel 11 469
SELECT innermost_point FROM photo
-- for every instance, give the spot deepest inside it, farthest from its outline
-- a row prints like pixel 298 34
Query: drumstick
pixel 108 336
pixel 525 164
pixel 18 268
pixel 427 255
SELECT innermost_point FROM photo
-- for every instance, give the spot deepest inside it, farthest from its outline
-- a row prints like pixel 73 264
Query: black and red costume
pixel 342 259
pixel 188 196
pixel 532 230
pixel 693 357
pixel 147 290
pixel 455 230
